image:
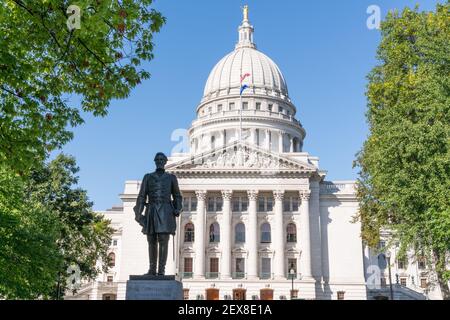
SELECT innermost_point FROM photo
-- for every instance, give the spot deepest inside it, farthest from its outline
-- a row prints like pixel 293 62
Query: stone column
pixel 280 141
pixel 224 137
pixel 291 144
pixel 305 244
pixel 252 235
pixel 225 239
pixel 253 136
pixel 278 236
pixel 267 142
pixel 200 232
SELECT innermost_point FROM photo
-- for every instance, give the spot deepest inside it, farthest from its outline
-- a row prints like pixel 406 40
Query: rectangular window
pixel 186 204
pixel 265 268
pixel 383 281
pixel 109 279
pixel 423 282
pixel 295 204
pixel 258 106
pixel 402 263
pixel 287 204
pixel 280 109
pixel 186 294
pixel 340 295
pixel 292 266
pixel 422 263
pixel 270 107
pixel 261 204
pixel 403 281
pixel 219 204
pixel 210 204
pixel 231 105
pixel 219 108
pixel 240 265
pixel 269 204
pixel 214 265
pixel 187 264
pixel 235 204
pixel 194 204
pixel 244 203
pixel 244 105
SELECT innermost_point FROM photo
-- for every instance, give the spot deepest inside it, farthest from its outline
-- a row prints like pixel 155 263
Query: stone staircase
pixel 399 292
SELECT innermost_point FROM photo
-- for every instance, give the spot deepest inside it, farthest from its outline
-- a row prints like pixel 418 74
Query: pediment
pixel 239 250
pixel 240 156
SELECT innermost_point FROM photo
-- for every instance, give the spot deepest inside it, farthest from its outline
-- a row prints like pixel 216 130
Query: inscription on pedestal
pixel 154 290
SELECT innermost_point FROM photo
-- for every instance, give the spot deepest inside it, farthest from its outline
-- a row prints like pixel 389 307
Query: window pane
pixel 214 233
pixel 187 264
pixel 244 203
pixel 193 204
pixel 265 233
pixel 261 204
pixel 219 204
pixel 214 265
pixel 291 233
pixel 185 204
pixel 292 265
pixel 294 204
pixel 189 233
pixel 240 233
pixel 240 265
pixel 235 204
pixel 265 265
pixel 258 106
pixel 210 204
pixel 287 204
pixel 269 204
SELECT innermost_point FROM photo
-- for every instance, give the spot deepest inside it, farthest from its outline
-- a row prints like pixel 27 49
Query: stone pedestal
pixel 154 288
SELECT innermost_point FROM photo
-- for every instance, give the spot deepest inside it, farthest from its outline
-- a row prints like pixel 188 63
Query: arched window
pixel 214 232
pixel 239 233
pixel 265 233
pixel 189 232
pixel 291 233
pixel 111 259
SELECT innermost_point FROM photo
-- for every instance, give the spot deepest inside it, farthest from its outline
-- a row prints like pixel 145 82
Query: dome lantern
pixel 245 32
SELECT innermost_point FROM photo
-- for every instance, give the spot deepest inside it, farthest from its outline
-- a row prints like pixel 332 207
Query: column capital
pixel 201 194
pixel 278 194
pixel 227 194
pixel 252 194
pixel 305 194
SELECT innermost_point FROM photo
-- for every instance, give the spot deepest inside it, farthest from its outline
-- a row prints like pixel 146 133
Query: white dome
pixel 265 76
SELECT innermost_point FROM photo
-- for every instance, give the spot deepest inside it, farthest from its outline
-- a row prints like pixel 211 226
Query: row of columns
pixel 294 142
pixel 303 227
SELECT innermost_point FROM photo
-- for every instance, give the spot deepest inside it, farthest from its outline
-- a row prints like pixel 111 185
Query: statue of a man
pixel 158 221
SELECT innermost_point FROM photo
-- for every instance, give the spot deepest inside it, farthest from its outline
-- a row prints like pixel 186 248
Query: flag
pixel 245 76
pixel 243 88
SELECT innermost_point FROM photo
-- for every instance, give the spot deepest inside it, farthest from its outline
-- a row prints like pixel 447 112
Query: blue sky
pixel 323 48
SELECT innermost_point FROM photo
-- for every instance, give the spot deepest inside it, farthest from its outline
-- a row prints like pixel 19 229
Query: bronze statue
pixel 158 221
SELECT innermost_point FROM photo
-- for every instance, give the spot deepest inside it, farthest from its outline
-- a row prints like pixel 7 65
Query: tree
pixel 84 236
pixel 405 162
pixel 40 244
pixel 43 62
pixel 29 256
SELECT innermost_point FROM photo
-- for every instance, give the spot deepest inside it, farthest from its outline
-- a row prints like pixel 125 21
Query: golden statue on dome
pixel 245 11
